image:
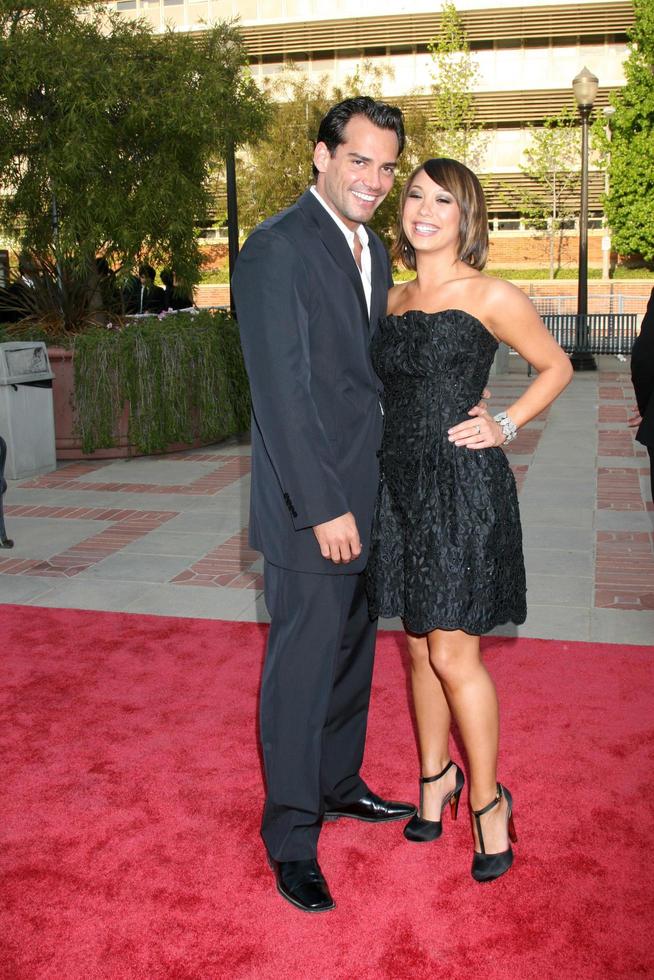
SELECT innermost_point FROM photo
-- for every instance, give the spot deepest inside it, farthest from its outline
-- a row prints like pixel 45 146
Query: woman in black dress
pixel 642 377
pixel 446 550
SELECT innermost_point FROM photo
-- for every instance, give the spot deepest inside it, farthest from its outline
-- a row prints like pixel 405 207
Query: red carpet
pixel 131 793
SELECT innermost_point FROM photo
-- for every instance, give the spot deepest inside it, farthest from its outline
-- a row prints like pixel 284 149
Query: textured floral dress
pixel 446 547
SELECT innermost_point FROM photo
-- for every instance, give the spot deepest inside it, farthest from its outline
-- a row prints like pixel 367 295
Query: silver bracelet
pixel 508 427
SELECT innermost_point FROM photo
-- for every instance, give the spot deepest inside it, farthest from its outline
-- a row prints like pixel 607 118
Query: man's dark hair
pixel 381 114
pixel 147 271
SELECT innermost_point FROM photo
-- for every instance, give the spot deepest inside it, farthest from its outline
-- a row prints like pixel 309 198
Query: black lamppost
pixel 608 112
pixel 585 90
pixel 232 216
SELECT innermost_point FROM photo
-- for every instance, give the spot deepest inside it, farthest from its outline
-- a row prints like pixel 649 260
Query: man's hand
pixel 634 420
pixel 339 539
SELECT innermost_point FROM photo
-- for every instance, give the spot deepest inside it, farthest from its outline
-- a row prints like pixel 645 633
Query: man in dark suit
pixel 310 285
pixel 151 298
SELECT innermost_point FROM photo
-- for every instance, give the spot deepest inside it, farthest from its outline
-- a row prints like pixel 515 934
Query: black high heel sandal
pixel 487 867
pixel 420 831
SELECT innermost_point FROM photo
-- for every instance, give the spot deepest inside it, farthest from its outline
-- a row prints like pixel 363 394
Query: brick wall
pixel 560 296
pixel 211 295
pixel 613 296
pixel 512 250
pixel 214 256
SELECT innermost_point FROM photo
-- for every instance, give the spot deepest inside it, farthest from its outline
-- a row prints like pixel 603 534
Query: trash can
pixel 26 412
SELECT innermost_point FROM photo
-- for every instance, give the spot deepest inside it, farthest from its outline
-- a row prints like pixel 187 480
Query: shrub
pixel 182 378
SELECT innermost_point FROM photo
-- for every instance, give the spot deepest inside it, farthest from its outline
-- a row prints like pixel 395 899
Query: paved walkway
pixel 167 535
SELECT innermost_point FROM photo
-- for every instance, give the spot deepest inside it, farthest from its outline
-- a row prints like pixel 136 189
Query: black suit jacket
pixel 316 420
pixel 642 374
pixel 154 299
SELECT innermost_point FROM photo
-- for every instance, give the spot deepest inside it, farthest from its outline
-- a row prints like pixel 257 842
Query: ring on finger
pixel 478 430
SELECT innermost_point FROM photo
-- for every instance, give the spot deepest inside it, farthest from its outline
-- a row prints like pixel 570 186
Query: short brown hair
pixel 465 188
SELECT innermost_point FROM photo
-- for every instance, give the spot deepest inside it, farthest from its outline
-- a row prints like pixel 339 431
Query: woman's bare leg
pixel 470 693
pixel 433 720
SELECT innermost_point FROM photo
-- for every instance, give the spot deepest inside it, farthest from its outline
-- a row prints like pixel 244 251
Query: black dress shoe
pixel 372 809
pixel 302 884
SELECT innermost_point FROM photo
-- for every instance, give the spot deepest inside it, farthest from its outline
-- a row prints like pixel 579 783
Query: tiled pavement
pixel 167 535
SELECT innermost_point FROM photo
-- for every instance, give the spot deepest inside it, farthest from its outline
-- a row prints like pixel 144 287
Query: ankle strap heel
pixel 477 814
pixel 418 830
pixel 487 867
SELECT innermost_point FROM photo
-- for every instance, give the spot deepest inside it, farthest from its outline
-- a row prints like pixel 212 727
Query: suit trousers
pixel 315 694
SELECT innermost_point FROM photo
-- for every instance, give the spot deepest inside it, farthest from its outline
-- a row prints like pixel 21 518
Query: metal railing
pixel 596 333
pixel 609 302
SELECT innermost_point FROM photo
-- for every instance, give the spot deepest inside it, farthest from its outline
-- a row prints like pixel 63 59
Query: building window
pixel 323 55
pixel 505 224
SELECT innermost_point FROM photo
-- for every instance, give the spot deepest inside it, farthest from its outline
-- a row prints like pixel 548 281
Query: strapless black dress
pixel 446 547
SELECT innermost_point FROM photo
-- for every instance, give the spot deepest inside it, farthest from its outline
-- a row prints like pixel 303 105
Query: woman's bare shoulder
pixel 397 295
pixel 500 290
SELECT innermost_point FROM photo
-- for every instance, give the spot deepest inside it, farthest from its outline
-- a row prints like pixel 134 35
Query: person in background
pixel 130 294
pixel 176 298
pixel 642 378
pixel 107 293
pixel 151 298
pixel 18 299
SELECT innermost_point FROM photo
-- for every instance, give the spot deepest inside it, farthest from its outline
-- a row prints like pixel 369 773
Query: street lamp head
pixel 584 86
pixel 608 111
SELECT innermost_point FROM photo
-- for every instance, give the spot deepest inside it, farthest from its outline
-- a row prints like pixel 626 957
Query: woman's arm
pixel 513 319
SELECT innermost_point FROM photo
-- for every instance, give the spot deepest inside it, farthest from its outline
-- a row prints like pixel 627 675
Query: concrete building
pixel 527 53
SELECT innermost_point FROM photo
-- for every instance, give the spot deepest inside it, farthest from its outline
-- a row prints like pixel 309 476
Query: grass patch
pixel 215 277
pixel 403 275
pixel 539 273
pixel 621 272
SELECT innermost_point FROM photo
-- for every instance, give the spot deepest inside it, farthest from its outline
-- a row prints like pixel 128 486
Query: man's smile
pixel 367 198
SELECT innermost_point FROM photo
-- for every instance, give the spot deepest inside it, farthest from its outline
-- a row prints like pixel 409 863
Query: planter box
pixel 67 443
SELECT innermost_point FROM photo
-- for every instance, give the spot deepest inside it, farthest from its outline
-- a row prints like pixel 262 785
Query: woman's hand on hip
pixel 481 431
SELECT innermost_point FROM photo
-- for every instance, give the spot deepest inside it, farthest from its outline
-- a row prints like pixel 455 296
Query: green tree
pixel 112 131
pixel 630 201
pixel 449 127
pixel 552 161
pixel 277 170
pixel 454 131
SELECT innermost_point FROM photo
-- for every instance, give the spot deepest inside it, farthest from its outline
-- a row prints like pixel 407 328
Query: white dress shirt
pixel 366 265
